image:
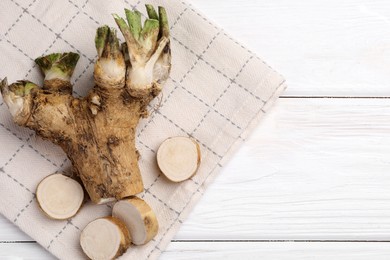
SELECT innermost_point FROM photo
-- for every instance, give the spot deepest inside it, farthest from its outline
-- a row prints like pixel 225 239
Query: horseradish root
pixel 98 132
pixel 59 197
pixel 105 238
pixel 178 158
pixel 139 219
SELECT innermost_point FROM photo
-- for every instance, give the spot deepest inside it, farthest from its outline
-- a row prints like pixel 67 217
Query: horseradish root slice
pixel 139 219
pixel 178 158
pixel 105 238
pixel 59 197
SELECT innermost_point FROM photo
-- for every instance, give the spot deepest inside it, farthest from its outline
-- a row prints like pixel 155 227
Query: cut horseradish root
pixel 139 219
pixel 105 238
pixel 97 131
pixel 179 158
pixel 59 197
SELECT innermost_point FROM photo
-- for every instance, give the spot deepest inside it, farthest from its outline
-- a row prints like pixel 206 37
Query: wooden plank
pixel 10 232
pixel 24 251
pixel 234 250
pixel 313 169
pixel 280 251
pixel 321 47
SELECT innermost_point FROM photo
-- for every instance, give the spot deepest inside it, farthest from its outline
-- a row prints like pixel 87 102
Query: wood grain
pixel 279 251
pixel 313 169
pixel 24 251
pixel 233 251
pixel 323 48
pixel 10 232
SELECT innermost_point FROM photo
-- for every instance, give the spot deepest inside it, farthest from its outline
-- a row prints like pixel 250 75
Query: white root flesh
pixel 59 196
pixel 179 158
pixel 106 200
pixel 105 238
pixel 139 219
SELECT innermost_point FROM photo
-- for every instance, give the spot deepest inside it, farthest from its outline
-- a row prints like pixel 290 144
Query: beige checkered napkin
pixel 217 92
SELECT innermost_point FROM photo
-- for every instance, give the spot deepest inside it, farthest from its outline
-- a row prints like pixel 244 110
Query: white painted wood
pixel 234 250
pixel 22 251
pixel 313 169
pixel 327 47
pixel 279 251
pixel 10 232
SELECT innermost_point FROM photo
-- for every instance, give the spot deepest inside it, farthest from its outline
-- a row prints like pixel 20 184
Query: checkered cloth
pixel 217 92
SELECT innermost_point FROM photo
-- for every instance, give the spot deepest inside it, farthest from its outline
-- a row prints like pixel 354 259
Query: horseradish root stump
pixel 98 132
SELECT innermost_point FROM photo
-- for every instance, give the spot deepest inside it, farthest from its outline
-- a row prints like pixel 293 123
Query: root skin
pixel 125 236
pixel 100 145
pixel 139 218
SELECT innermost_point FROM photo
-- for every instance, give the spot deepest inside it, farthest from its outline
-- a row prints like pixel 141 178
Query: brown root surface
pixel 98 135
pixel 139 218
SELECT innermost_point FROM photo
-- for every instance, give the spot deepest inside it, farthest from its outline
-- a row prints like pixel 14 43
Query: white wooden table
pixel 313 181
